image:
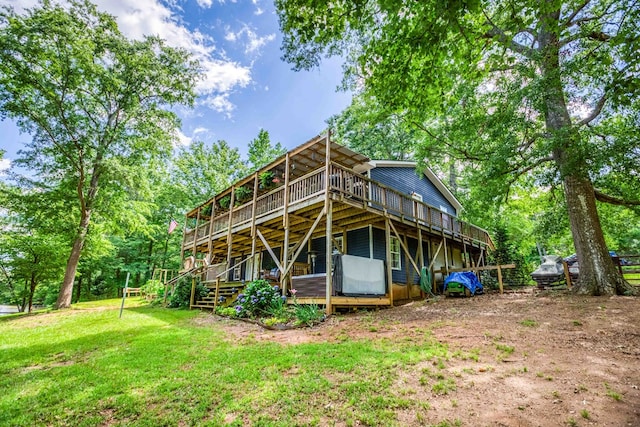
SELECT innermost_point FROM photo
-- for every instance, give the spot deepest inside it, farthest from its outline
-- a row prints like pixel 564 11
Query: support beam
pixel 420 255
pixel 268 248
pixel 446 255
pixel 229 234
pixel 305 240
pixel 387 238
pixel 328 207
pixel 253 223
pixel 403 246
pixel 284 279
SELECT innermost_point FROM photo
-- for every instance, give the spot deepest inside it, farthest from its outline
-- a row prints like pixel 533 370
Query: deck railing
pixel 352 187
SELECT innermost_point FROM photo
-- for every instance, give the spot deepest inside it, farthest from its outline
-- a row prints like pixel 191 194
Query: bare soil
pixel 534 358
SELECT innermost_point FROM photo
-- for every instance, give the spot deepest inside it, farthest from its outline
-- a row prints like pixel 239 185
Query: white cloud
pixel 253 42
pixel 221 76
pixel 220 103
pixel 230 35
pixel 205 4
pixel 259 11
pixel 4 165
pixel 256 43
pixel 182 139
pixel 137 18
pixel 199 130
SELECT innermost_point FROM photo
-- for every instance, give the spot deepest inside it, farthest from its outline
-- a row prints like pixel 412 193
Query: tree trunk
pixel 64 298
pixel 32 290
pixel 598 275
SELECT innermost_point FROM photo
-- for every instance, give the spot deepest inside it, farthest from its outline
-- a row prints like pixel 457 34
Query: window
pixel 394 244
pixel 237 269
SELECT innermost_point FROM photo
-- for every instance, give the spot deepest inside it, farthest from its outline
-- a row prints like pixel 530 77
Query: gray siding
pixel 358 245
pixel 406 180
pixel 358 242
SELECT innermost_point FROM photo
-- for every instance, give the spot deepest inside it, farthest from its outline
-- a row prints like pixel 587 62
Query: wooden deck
pixel 347 187
pixel 320 191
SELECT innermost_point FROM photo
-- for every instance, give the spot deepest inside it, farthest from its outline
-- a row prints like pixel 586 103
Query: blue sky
pixel 246 85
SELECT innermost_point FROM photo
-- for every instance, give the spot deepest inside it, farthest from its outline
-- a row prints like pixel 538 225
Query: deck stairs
pixel 225 293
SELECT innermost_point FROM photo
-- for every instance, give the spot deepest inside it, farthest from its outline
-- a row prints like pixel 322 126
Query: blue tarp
pixel 467 279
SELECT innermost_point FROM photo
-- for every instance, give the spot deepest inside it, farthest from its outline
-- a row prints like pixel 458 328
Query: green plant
pixel 181 296
pixel 507 349
pixel 308 314
pixel 226 311
pixel 529 322
pixel 259 298
pixel 585 414
pixel 206 211
pixel 613 394
pixel 242 194
pixel 266 179
pixel 153 289
pixel 225 202
pixel 444 386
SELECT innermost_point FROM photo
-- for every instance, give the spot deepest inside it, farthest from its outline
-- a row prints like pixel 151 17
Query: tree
pixel 261 152
pixel 32 242
pixel 366 129
pixel 201 171
pixel 548 88
pixel 93 101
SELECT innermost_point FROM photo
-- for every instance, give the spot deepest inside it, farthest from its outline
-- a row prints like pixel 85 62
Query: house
pixel 376 225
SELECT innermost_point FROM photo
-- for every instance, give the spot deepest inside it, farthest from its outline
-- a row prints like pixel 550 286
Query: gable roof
pixel 427 172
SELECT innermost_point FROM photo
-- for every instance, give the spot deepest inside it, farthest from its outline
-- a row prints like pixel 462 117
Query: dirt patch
pixel 520 359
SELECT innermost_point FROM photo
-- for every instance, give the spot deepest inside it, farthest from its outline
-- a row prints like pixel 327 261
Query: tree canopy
pixel 519 87
pixel 94 102
pixel 261 152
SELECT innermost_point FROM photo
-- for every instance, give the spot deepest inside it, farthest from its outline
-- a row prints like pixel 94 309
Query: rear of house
pixel 375 225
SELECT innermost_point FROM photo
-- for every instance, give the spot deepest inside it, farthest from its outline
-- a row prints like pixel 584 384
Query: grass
pixel 86 367
pixel 613 394
pixel 529 323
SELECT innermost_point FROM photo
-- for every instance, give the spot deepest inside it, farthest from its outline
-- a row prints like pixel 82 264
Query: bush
pixel 308 314
pixel 259 298
pixel 153 287
pixel 181 296
pixel 226 311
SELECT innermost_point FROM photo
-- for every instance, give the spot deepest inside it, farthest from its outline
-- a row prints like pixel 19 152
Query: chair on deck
pixel 271 275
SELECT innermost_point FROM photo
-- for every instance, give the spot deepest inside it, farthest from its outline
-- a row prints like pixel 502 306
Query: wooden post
pixel 387 233
pixel 210 243
pixel 328 204
pixel 285 225
pixel 446 255
pixel 500 280
pixel 420 255
pixel 567 276
pixel 195 233
pixel 230 226
pixel 253 224
pixel 193 292
pixel 215 301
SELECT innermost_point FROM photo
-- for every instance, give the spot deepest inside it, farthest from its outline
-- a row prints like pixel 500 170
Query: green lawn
pixel 157 367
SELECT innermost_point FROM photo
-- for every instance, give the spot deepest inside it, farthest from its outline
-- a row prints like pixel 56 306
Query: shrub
pixel 259 298
pixel 308 314
pixel 153 287
pixel 181 296
pixel 226 311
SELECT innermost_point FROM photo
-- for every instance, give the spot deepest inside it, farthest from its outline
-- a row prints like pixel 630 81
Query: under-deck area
pixel 319 193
